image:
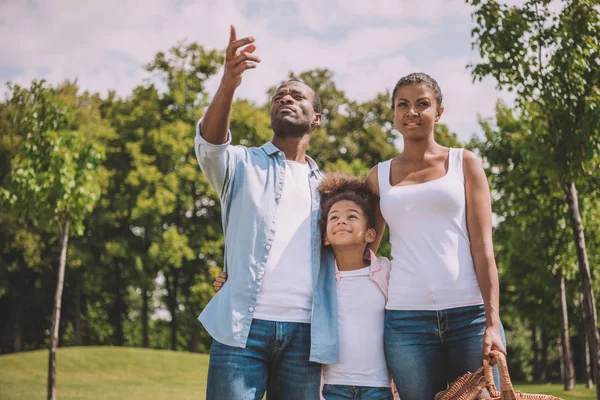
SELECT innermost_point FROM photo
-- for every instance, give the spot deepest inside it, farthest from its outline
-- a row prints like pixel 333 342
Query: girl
pixel 443 301
pixel 347 222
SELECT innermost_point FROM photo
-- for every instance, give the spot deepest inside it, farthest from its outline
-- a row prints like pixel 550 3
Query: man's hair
pixel 317 106
pixel 337 187
pixel 419 78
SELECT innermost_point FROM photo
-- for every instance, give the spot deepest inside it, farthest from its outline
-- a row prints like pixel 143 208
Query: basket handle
pixel 506 386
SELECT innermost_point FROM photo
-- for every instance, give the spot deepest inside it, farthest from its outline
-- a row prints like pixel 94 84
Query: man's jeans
pixel 346 392
pixel 427 350
pixel 275 359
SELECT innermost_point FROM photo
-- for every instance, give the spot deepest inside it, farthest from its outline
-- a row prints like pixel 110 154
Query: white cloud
pixel 325 15
pixel 105 44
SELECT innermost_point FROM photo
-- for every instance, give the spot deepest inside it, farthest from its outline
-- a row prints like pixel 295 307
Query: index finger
pixel 232 34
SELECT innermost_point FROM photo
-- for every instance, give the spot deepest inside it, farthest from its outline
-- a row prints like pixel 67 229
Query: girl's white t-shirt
pixel 361 313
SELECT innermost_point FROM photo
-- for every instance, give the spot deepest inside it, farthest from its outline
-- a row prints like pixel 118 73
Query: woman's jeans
pixel 427 350
pixel 275 359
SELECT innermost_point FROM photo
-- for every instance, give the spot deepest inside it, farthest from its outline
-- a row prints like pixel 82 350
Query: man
pixel 275 320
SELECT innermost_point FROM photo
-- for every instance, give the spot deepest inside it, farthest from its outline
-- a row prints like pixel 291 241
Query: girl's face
pixel 416 111
pixel 347 226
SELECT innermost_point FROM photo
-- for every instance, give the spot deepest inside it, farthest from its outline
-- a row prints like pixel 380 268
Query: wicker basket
pixel 473 386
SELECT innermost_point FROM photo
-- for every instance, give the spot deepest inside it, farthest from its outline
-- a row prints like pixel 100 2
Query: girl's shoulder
pixel 382 264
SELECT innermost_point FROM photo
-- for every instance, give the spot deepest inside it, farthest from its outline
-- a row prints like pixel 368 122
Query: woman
pixel 442 312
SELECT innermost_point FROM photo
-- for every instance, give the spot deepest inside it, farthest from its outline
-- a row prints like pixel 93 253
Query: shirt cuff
pixel 205 149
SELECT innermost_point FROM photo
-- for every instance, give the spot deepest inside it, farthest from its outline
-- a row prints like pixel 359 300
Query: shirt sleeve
pixel 217 161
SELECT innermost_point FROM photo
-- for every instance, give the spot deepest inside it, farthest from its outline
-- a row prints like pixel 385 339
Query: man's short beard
pixel 284 128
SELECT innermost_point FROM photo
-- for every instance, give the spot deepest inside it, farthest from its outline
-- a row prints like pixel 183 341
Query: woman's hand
pixel 492 340
pixel 220 281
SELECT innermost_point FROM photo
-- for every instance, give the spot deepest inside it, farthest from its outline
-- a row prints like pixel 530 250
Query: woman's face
pixel 416 111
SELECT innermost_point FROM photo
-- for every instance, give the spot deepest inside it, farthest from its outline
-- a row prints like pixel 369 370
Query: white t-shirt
pixel 361 313
pixel 286 290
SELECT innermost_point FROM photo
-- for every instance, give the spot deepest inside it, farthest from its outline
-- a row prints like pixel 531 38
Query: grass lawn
pixel 112 373
pixel 107 373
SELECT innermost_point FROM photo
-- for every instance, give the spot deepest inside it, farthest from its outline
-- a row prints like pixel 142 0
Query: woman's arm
pixel 373 184
pixel 479 224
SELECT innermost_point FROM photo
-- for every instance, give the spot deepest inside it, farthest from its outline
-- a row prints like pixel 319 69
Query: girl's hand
pixel 220 281
pixel 492 340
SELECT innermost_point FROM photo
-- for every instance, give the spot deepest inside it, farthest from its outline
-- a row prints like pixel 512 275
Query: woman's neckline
pixel 447 160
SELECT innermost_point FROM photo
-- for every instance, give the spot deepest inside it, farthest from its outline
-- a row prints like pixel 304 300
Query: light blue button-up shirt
pixel 250 182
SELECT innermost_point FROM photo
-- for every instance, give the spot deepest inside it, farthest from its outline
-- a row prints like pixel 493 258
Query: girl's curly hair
pixel 337 187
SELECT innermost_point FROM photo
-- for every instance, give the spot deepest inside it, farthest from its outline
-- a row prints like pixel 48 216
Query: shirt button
pixel 278 197
pixel 251 309
pixel 279 154
pixel 268 247
pixel 260 277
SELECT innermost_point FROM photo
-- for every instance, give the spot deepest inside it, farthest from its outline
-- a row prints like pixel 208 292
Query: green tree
pixel 52 180
pixel 532 246
pixel 168 192
pixel 549 59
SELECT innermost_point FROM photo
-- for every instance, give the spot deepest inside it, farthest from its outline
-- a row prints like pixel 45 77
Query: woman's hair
pixel 419 78
pixel 337 187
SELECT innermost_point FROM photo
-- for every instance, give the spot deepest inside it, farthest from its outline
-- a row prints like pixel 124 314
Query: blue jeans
pixel 275 359
pixel 427 350
pixel 346 392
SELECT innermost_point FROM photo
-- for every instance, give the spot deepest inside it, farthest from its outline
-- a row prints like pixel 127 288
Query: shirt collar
pixel 269 148
pixel 375 266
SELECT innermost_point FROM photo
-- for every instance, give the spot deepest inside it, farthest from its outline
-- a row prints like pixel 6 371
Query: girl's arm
pixel 479 225
pixel 373 184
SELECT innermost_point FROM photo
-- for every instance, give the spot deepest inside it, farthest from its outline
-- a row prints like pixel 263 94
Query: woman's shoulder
pixel 372 180
pixel 471 161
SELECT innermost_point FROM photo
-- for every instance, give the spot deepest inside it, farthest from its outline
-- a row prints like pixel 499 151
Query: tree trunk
pixel 588 366
pixel 589 304
pixel 535 348
pixel 64 241
pixel 119 306
pixel 194 339
pixel 544 355
pixel 77 324
pixel 568 367
pixel 145 330
pixel 17 340
pixel 172 305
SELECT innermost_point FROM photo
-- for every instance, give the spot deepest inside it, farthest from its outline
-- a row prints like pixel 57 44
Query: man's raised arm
pixel 215 123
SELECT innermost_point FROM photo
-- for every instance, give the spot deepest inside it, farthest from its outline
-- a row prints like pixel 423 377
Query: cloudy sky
pixel 368 44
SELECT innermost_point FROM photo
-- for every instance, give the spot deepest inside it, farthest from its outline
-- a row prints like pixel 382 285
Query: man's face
pixel 292 110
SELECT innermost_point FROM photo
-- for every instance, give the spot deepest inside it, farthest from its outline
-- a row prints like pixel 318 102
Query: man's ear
pixel 326 241
pixel 317 120
pixel 370 235
pixel 439 113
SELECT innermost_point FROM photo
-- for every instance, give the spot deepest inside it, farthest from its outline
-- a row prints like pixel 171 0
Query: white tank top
pixel 432 266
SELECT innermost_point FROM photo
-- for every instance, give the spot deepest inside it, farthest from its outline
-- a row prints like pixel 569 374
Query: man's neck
pixel 293 147
pixel 349 258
